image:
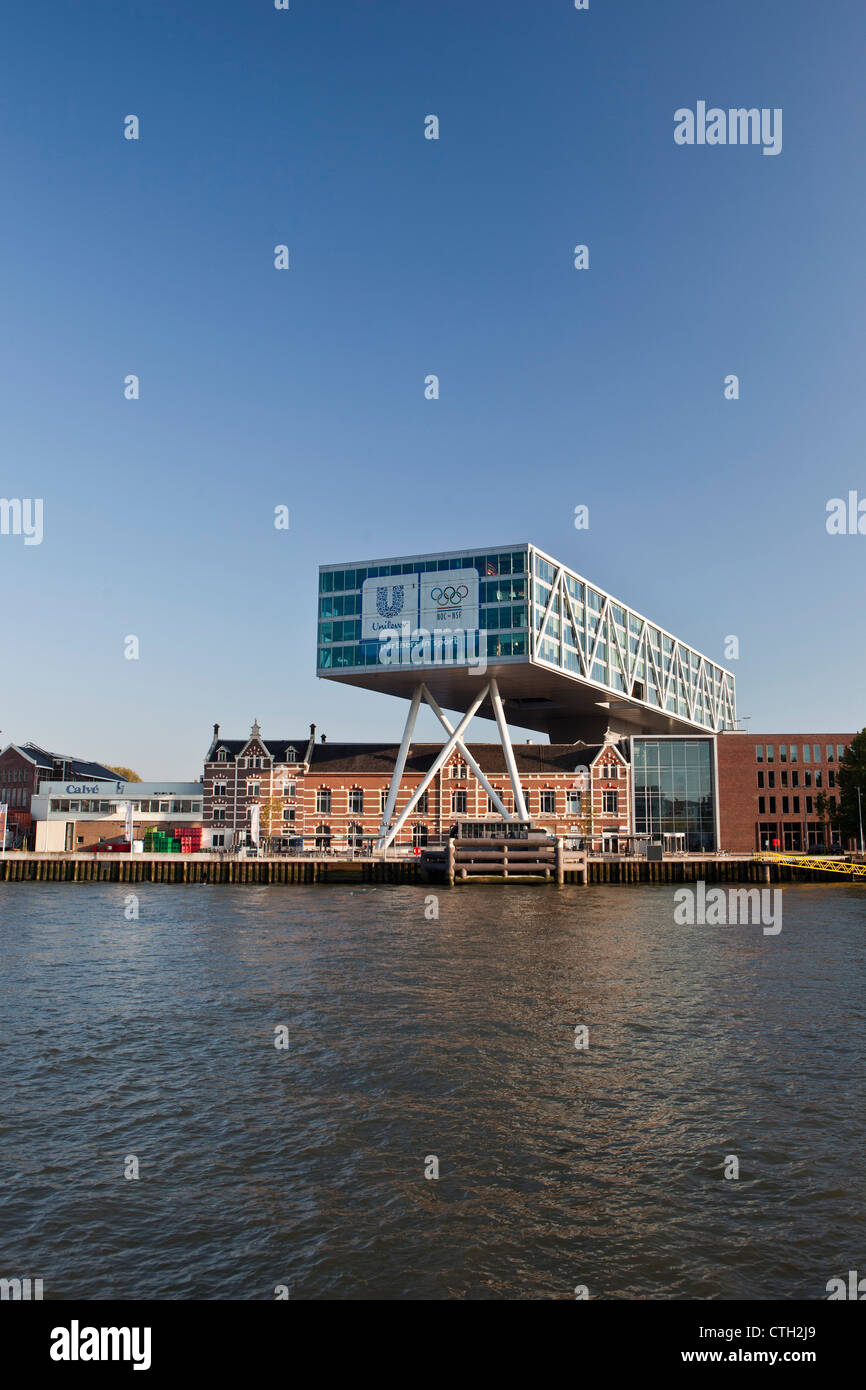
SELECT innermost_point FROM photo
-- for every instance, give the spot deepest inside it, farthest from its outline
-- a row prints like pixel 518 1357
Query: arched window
pixel 419 836
pixel 355 837
pixel 323 837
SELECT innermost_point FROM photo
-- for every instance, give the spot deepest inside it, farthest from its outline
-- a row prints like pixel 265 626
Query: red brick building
pixel 769 785
pixel 24 767
pixel 331 795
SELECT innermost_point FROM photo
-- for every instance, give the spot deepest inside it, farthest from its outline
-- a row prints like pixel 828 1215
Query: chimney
pixel 216 732
pixel 312 731
pixel 324 738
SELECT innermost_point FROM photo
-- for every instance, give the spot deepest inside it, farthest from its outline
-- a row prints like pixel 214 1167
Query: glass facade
pixel 517 604
pixel 585 632
pixel 503 604
pixel 674 790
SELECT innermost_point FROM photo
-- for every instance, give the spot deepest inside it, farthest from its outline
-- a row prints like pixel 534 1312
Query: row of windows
pixel 809 778
pixel 291 756
pixel 507 562
pixel 790 805
pixel 789 752
pixel 182 806
pixel 818 836
pixel 497 644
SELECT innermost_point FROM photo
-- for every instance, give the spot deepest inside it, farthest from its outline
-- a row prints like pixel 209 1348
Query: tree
pixel 851 775
pixel 125 774
pixel 270 817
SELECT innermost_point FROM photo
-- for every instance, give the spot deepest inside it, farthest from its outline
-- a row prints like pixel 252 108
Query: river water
pixel 412 1042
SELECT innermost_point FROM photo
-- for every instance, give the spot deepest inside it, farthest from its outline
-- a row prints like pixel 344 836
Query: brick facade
pixel 333 793
pixel 768 789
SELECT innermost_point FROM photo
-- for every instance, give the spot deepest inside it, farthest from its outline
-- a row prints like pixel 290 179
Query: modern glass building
pixel 569 659
pixel 674 792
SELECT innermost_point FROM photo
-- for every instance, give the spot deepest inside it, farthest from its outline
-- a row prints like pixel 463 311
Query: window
pixel 829 752
pixel 290 789
pixel 760 779
pixel 759 752
pixel 785 778
pixel 796 801
pixel 809 805
pixel 219 788
pixel 219 813
pixel 291 754
pixel 355 837
pixel 609 803
pixel 356 801
pixel 547 802
pixel 783 753
pixel 795 778
pixel 492 808
pixel 383 800
pixel 772 806
pixel 572 802
pixel 793 752
pixel 218 841
pixel 762 805
pixel 807 777
pixel 421 805
pixel 419 836
pixel 323 836
pixel 771 779
pixel 831 777
pixel 222 755
pixel 818 776
pixel 770 754
pixel 288 813
pixel 323 804
pixel 253 788
pixel 459 770
pixel 458 803
pixel 807 749
pixel 840 752
pixel 786 809
pixel 816 753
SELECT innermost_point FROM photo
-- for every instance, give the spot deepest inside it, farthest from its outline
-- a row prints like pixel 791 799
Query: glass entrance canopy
pixel 569 658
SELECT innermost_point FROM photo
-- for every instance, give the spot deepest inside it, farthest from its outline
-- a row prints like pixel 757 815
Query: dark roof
pixel 276 746
pixel 537 758
pixel 78 767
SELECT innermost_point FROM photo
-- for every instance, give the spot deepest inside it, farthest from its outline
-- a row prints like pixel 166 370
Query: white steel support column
pixel 400 764
pixel 441 757
pixel 449 729
pixel 496 701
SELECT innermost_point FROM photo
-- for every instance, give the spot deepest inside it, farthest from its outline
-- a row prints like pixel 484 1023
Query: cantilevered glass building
pixel 569 660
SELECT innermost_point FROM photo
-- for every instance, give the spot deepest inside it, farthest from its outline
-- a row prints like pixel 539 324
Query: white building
pixel 72 815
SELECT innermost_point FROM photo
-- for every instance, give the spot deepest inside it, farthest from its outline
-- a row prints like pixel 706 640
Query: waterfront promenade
pixel 21 867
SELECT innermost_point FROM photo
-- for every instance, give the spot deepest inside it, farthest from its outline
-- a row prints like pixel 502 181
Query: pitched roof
pixel 78 767
pixel 531 758
pixel 276 747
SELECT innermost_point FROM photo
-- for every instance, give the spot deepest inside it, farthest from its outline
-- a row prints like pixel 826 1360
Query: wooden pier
pixel 459 861
pixel 202 868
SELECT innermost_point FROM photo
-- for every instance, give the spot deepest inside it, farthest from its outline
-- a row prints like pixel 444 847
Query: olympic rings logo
pixel 450 597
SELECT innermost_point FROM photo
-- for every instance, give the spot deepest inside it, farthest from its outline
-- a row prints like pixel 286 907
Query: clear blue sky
pixel 409 257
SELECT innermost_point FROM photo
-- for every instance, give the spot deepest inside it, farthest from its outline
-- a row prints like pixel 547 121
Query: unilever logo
pixel 383 607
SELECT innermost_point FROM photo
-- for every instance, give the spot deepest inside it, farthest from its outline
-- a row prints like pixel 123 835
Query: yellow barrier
pixel 814 861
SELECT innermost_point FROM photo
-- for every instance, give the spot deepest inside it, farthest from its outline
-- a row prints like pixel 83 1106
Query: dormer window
pixel 291 755
pixel 222 755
